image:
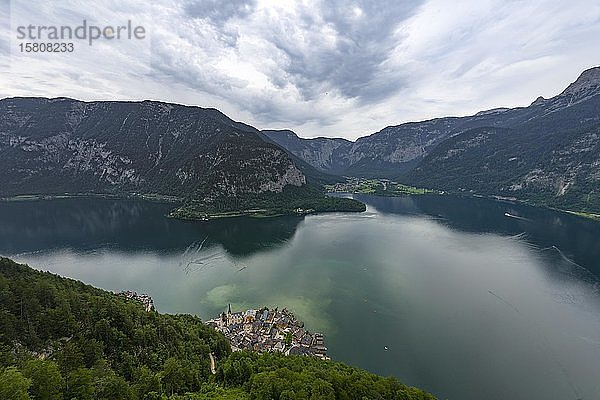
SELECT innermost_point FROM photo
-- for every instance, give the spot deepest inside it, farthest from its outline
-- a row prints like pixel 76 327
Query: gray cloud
pixel 4 27
pixel 354 64
pixel 326 48
pixel 219 11
pixel 364 44
pixel 333 68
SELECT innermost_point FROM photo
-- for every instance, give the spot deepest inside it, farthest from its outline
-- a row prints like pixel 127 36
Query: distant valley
pixel 547 153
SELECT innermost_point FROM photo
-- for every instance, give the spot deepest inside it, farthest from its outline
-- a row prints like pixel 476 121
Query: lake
pixel 447 294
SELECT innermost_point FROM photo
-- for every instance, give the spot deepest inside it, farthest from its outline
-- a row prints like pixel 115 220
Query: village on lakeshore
pixel 267 330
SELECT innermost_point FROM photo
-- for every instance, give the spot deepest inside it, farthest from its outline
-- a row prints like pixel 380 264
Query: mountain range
pixel 547 153
pixel 57 146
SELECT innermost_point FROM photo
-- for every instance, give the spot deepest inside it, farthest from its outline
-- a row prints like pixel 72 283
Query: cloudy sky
pixel 321 68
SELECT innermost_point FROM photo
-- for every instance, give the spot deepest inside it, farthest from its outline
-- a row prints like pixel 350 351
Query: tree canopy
pixel 62 339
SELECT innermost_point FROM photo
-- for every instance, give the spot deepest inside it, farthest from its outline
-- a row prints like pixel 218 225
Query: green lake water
pixel 448 294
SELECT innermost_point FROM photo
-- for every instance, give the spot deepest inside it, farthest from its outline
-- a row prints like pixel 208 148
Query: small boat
pixel 516 216
pixel 385 348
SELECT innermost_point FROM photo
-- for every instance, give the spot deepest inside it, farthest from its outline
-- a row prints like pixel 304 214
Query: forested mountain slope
pixel 551 159
pixel 546 153
pixel 64 145
pixel 398 149
pixel 57 146
pixel 60 338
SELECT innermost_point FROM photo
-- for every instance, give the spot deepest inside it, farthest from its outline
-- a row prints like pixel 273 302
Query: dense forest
pixel 291 200
pixel 62 339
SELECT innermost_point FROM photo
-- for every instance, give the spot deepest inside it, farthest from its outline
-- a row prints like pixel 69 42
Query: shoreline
pixel 265 213
pixel 182 211
pixel 390 188
pixel 131 196
pixel 258 214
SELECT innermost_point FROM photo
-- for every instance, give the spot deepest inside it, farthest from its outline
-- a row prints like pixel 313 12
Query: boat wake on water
pixel 194 261
pixel 504 301
pixel 581 268
pixel 506 214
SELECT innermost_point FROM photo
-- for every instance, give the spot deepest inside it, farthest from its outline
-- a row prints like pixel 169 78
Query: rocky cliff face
pixel 63 145
pixel 548 152
pixel 322 153
pixel 391 151
pixel 398 149
pixel 552 160
pixel 587 86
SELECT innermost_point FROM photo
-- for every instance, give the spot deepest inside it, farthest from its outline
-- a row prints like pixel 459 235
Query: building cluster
pixel 344 187
pixel 267 330
pixel 353 185
pixel 145 299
